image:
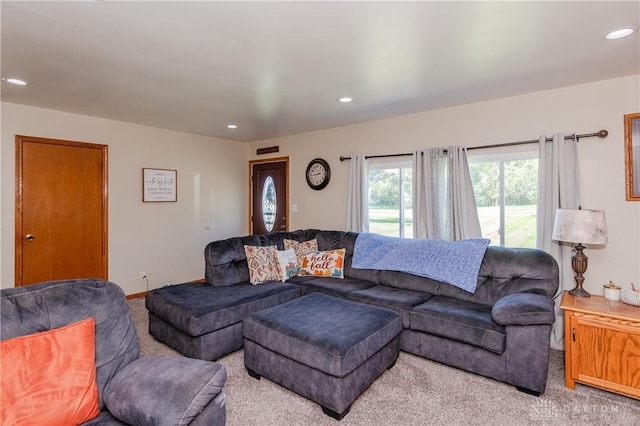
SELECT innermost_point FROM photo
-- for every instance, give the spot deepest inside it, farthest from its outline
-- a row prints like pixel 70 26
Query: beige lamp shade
pixel 580 226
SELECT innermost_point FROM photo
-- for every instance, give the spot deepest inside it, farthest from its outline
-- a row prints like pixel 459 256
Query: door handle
pixel 30 238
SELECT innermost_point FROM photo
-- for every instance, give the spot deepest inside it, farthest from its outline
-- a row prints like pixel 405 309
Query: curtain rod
pixel 600 134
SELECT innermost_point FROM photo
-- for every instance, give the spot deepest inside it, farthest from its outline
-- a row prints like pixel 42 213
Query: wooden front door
pixel 269 194
pixel 61 210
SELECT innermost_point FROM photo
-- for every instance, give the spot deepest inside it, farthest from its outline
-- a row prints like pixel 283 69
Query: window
pixel 269 204
pixel 390 199
pixel 506 191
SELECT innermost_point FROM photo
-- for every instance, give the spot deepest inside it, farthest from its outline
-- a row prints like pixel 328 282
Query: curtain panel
pixel 444 205
pixel 558 188
pixel 357 198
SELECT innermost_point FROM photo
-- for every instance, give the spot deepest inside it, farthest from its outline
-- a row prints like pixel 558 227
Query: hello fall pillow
pixel 329 263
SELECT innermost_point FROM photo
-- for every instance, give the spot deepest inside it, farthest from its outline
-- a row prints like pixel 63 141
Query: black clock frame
pixel 326 166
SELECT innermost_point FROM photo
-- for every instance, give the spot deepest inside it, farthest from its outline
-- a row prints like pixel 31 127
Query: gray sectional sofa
pixel 500 331
pixel 131 390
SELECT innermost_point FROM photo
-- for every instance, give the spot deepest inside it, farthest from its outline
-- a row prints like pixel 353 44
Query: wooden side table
pixel 602 344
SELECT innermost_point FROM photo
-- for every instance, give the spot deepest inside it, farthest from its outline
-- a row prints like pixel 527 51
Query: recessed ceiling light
pixel 620 32
pixel 345 99
pixel 16 81
pixel 232 126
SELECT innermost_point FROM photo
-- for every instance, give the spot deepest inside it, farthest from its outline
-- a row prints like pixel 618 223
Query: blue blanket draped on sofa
pixel 453 262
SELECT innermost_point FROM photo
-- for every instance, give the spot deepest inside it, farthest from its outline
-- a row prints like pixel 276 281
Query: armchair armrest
pixel 524 309
pixel 163 391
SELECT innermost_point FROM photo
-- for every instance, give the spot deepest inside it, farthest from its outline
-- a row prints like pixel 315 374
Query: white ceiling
pixel 276 68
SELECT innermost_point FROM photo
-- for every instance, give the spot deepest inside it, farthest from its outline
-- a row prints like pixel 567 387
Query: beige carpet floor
pixel 414 392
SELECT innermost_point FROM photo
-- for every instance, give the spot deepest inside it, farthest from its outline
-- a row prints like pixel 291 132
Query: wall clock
pixel 318 174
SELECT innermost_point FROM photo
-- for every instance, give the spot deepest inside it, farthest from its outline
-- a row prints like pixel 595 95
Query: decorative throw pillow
pixel 49 378
pixel 328 263
pixel 287 264
pixel 263 264
pixel 301 248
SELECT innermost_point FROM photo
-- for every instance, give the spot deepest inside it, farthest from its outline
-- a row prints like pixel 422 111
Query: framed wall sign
pixel 159 185
pixel 632 155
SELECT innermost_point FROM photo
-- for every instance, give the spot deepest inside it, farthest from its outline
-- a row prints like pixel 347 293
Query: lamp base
pixel 579 263
pixel 579 292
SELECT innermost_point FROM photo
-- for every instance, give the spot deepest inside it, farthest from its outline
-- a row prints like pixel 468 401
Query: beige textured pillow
pixel 301 248
pixel 263 264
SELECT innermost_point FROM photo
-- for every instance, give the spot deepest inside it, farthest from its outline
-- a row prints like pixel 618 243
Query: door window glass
pixel 269 203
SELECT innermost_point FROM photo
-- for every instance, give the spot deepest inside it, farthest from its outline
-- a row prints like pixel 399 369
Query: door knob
pixel 30 238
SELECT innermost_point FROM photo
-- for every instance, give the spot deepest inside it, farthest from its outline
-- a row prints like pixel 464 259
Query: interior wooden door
pixel 61 210
pixel 269 194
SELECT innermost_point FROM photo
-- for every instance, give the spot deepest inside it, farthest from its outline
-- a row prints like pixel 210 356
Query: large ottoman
pixel 324 348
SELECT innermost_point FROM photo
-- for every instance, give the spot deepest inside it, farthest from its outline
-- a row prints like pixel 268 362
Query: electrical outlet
pixel 142 276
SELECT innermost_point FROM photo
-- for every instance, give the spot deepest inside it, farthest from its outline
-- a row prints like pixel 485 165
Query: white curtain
pixel 444 205
pixel 357 200
pixel 558 187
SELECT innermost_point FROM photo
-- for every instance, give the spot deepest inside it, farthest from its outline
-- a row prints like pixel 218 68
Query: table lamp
pixel 580 226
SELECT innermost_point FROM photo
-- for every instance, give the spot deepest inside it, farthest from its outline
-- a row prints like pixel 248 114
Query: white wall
pixel 582 109
pixel 166 240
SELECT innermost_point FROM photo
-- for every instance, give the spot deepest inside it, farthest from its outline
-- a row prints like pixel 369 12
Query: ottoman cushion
pixel 326 333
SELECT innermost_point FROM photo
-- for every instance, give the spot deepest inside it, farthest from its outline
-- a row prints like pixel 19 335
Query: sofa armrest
pixel 164 391
pixel 523 309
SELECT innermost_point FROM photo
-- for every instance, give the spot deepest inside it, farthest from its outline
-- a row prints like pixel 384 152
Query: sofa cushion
pixel 50 377
pixel 333 286
pixel 330 334
pixel 186 386
pixel 397 299
pixel 503 271
pixel 348 240
pixel 197 308
pixel 466 322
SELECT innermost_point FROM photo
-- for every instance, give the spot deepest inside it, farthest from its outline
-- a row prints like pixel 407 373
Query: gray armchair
pixel 131 390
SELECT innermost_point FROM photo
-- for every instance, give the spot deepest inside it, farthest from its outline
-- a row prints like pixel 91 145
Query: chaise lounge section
pixel 499 331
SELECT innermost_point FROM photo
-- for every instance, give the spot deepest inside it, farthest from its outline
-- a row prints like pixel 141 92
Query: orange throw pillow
pixel 49 378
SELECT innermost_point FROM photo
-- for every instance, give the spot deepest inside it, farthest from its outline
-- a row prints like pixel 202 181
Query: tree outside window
pixel 390 199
